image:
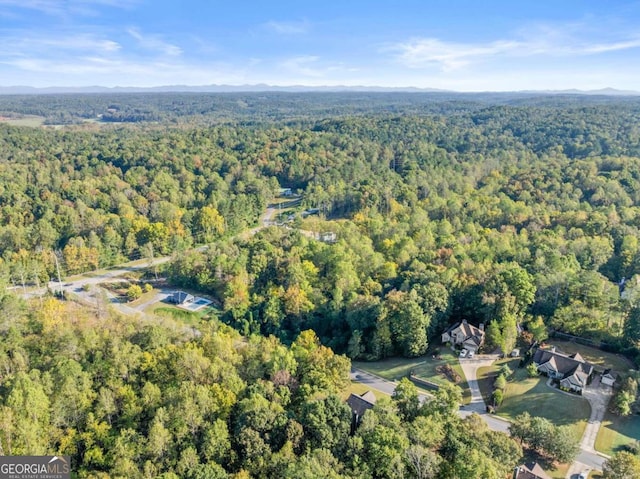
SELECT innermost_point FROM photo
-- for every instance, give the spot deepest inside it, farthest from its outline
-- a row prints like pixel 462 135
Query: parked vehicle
pixel 463 353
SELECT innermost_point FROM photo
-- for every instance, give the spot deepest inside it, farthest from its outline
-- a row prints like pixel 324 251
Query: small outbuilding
pixel 608 377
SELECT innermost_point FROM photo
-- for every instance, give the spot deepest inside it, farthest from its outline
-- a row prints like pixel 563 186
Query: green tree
pixel 134 292
pixel 538 329
pixel 406 398
pixel 562 445
pixel 621 465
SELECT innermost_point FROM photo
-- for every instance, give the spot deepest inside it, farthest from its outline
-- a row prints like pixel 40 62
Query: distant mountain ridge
pixel 261 87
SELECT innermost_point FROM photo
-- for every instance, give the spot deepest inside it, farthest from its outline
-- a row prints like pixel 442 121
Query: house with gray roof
pixel 181 297
pixel 531 470
pixel 573 372
pixel 359 405
pixel 465 335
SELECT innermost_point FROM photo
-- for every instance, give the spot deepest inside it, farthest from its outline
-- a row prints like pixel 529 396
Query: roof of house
pixel 180 297
pixel 360 404
pixel 531 470
pixel 476 335
pixel 577 357
pixel 574 368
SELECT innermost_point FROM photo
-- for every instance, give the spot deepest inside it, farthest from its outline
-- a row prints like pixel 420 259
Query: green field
pixel 532 395
pixel 424 367
pixel 617 432
pixel 27 120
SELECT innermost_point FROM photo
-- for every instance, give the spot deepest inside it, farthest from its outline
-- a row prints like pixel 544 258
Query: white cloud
pixel 448 55
pixel 306 65
pixel 288 28
pixel 21 43
pixel 117 71
pixel 62 8
pixel 537 40
pixel 154 43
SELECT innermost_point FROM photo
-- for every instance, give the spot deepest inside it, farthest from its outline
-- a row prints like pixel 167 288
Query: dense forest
pixel 130 398
pixel 510 211
pixel 501 212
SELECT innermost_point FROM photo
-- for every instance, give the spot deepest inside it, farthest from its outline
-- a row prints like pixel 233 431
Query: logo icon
pixel 34 467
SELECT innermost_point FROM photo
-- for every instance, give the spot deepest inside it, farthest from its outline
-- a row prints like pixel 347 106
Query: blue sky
pixel 465 45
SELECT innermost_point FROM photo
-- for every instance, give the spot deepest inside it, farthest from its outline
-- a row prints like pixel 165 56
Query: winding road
pixel 588 458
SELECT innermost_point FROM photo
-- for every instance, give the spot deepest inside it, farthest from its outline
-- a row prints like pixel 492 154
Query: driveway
pixel 470 369
pixel 598 395
pixel 477 405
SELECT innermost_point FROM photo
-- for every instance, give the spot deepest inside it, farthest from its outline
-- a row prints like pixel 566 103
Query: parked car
pixel 463 353
pixel 583 475
pixel 470 354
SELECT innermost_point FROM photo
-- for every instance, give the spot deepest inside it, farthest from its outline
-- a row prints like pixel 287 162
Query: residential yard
pixel 487 375
pixel 600 359
pixel 617 432
pixel 532 395
pixel 424 367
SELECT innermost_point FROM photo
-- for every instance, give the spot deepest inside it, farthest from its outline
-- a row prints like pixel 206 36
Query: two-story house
pixel 465 335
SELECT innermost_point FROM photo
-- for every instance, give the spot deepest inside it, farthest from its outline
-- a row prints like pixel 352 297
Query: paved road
pixel 378 383
pixel 587 459
pixel 383 385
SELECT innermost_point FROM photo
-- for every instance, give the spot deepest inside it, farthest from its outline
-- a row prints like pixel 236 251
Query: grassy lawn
pixel 600 359
pixel 617 432
pixel 188 318
pixel 487 375
pixel 532 395
pixel 424 367
pixel 144 298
